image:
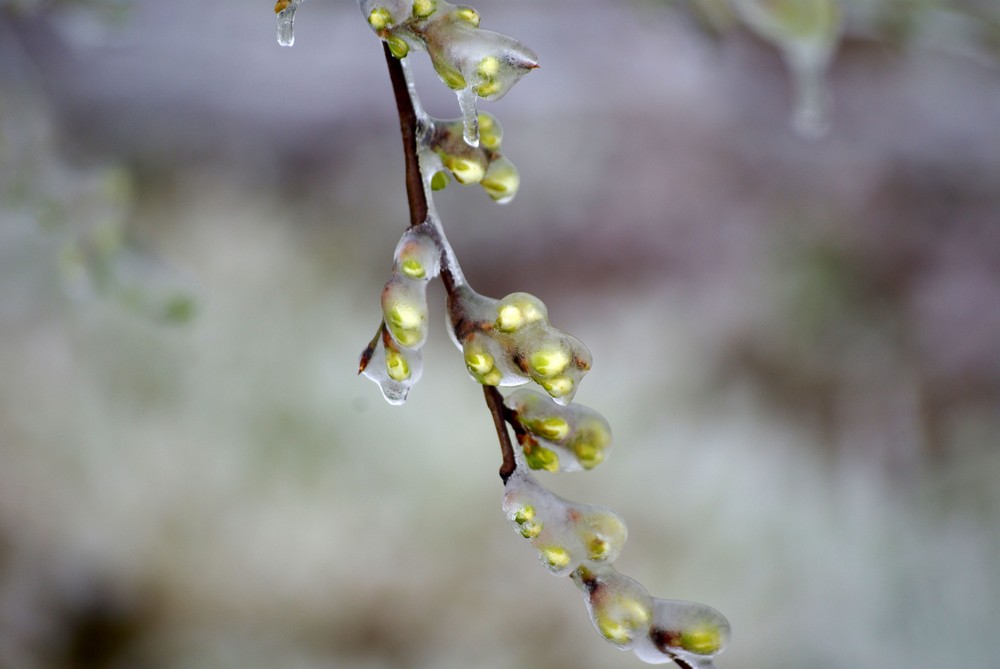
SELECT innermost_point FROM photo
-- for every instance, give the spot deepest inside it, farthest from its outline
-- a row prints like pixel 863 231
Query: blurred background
pixel 797 342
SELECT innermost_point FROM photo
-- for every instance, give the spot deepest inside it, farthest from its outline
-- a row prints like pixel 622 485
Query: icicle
pixel 467 99
pixel 811 107
pixel 285 10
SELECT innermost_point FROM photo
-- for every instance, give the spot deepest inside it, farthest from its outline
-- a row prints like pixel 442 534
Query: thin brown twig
pixel 417 200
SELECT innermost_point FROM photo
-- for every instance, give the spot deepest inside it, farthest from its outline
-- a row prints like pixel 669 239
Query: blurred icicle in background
pixel 796 343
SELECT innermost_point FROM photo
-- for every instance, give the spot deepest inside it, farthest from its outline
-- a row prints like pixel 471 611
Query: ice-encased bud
pixel 418 255
pixel 488 363
pixel 518 310
pixel 384 15
pixel 501 180
pixel 620 608
pixel 806 32
pixel 688 631
pixel 565 534
pixel 579 436
pixel 554 360
pixel 424 8
pixel 285 11
pixel 394 369
pixel 404 309
pixel 490 132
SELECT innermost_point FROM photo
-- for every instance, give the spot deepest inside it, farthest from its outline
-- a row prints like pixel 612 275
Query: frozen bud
pixel 448 73
pixel 580 436
pixel 518 310
pixel 557 557
pixel 539 457
pixel 398 46
pixel 501 180
pixel 549 360
pixel 620 608
pixel 404 309
pixel 384 15
pixel 424 8
pixel 418 255
pixel 603 533
pixel 590 440
pixel 440 180
pixel 468 15
pixel 552 428
pixel 395 370
pixel 468 169
pixel 490 132
pixel 687 631
pixel 481 360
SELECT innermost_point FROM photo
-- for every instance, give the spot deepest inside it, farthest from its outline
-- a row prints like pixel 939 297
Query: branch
pixel 408 128
pixel 416 197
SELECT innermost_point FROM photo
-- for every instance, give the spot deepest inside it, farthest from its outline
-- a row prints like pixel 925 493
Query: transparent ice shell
pixel 394 369
pixel 566 438
pixel 566 534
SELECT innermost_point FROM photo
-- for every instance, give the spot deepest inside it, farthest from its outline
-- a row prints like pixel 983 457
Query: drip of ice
pixel 811 107
pixel 395 371
pixel 286 23
pixel 467 101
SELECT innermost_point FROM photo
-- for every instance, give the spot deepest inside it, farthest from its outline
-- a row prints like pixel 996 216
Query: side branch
pixel 408 128
pixel 494 400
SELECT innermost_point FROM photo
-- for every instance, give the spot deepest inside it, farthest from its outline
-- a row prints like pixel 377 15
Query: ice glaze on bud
pixel 404 309
pixel 418 255
pixel 517 310
pixel 580 436
pixel 692 632
pixel 501 180
pixel 620 608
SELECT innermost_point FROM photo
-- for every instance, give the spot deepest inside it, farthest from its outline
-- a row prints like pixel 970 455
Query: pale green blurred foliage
pixel 795 344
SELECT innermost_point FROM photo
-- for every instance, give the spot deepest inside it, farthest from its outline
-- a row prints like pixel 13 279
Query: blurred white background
pixel 797 343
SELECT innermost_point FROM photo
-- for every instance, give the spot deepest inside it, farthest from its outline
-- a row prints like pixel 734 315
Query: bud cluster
pixel 510 341
pixel 473 62
pixel 446 149
pixel 393 359
pixel 555 437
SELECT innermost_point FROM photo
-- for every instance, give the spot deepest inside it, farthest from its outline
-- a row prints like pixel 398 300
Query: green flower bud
pixel 703 640
pixel 548 362
pixel 531 529
pixel 396 365
pixel 380 18
pixel 466 170
pixel 517 310
pixel 556 557
pixel 397 46
pixel 539 457
pixel 467 14
pixel 524 514
pixel 424 8
pixel 413 269
pixel 559 386
pixel 553 428
pixel 449 74
pixel 490 132
pixel 501 180
pixel 479 362
pixel 440 180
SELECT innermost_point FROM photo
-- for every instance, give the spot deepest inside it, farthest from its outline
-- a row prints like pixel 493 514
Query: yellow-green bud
pixel 557 557
pixel 559 386
pixel 509 318
pixel 553 428
pixel 490 132
pixel 405 322
pixel 488 67
pixel 479 362
pixel 440 180
pixel 589 455
pixel 466 171
pixel 524 514
pixel 501 180
pixel 380 18
pixel 487 87
pixel 703 640
pixel 468 14
pixel 613 630
pixel 397 366
pixel 452 78
pixel 397 46
pixel 599 548
pixel 424 8
pixel 413 269
pixel 549 362
pixel 531 529
pixel 517 310
pixel 538 457
pixel 491 378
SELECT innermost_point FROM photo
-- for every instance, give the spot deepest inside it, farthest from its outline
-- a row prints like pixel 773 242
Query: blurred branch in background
pixel 221 489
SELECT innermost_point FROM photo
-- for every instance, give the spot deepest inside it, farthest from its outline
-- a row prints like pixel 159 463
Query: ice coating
pixel 687 631
pixel 521 343
pixel 418 255
pixel 565 534
pixel 473 62
pixel 563 438
pixel 806 32
pixel 447 148
pixel 394 369
pixel 285 11
pixel 404 310
pixel 620 608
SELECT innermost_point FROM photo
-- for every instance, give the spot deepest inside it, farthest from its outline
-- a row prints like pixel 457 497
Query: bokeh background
pixel 796 342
